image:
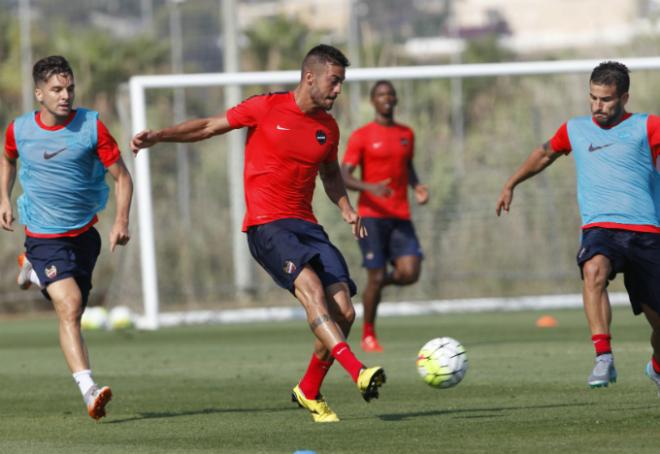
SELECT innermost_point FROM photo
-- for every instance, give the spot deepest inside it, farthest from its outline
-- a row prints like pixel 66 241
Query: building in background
pixel 534 26
pixel 324 15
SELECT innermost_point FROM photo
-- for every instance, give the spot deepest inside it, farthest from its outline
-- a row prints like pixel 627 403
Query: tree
pixel 278 43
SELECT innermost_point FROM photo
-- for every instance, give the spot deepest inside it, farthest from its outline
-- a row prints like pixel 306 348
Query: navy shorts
pixel 635 254
pixel 387 239
pixel 283 247
pixel 54 259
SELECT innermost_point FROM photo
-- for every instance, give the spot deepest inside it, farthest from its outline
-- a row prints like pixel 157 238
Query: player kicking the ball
pixel 64 154
pixel 291 138
pixel 618 184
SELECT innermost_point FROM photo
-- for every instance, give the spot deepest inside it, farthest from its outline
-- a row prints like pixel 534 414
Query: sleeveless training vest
pixel 62 177
pixel 616 178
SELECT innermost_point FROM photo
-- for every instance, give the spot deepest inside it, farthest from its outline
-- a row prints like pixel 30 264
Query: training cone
pixel 546 321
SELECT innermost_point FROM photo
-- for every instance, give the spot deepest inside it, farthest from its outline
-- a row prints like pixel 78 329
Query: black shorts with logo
pixel 388 239
pixel 283 247
pixel 54 259
pixel 635 254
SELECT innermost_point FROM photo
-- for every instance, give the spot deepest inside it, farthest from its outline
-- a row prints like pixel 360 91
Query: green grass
pixel 226 389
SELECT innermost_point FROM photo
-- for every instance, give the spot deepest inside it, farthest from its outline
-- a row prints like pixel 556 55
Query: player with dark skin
pixel 387 145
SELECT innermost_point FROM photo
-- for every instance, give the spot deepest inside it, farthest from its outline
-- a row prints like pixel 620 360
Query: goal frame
pixel 151 318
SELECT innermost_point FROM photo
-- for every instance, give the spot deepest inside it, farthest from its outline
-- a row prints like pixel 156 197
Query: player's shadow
pixel 492 412
pixel 203 411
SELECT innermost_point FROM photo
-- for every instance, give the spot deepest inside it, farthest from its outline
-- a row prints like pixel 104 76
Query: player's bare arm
pixel 334 186
pixel 120 234
pixel 380 189
pixel 537 161
pixel 421 191
pixel 333 183
pixel 188 131
pixel 7 178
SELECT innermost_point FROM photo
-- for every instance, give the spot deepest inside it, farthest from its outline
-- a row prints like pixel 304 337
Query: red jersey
pixel 283 152
pixel 383 152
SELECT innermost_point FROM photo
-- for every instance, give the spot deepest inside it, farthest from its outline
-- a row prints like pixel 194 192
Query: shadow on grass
pixel 204 411
pixel 473 412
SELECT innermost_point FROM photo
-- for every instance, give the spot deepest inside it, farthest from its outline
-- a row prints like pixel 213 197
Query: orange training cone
pixel 546 321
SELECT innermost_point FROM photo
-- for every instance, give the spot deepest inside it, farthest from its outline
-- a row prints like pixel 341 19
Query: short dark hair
pixel 48 66
pixel 378 84
pixel 612 73
pixel 323 54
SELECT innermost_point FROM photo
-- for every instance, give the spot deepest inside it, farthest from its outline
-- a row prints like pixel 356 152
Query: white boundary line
pixel 385 309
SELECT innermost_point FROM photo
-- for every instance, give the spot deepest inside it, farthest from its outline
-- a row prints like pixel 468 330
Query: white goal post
pixel 151 318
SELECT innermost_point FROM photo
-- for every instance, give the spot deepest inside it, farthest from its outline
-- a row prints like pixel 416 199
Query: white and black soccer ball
pixel 442 362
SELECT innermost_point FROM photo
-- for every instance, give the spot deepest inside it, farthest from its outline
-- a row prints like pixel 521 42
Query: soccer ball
pixel 442 362
pixel 94 318
pixel 120 318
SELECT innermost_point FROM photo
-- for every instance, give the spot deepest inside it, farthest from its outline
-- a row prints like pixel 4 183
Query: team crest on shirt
pixel 404 141
pixel 289 267
pixel 51 271
pixel 321 137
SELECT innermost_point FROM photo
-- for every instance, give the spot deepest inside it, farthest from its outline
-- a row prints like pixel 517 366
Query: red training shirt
pixel 106 148
pixel 283 152
pixel 383 152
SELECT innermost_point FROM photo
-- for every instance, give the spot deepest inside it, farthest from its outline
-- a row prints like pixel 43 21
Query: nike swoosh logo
pixel 377 144
pixel 282 128
pixel 50 155
pixel 598 147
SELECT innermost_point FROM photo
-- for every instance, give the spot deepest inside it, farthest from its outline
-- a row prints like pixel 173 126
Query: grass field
pixel 226 389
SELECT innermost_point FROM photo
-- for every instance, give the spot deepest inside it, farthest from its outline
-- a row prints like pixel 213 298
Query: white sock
pixel 84 380
pixel 34 278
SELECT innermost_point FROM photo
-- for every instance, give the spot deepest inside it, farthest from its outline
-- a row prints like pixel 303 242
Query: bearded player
pixel 291 139
pixel 618 189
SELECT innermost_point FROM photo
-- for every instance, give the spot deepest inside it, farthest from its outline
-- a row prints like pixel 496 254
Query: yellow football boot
pixel 369 380
pixel 318 408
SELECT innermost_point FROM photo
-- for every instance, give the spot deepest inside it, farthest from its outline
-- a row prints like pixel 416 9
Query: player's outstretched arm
pixel 119 233
pixel 7 179
pixel 188 131
pixel 333 183
pixel 421 191
pixel 539 159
